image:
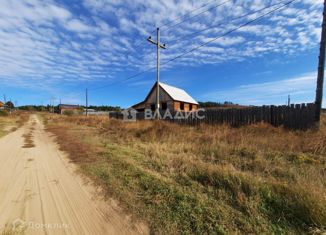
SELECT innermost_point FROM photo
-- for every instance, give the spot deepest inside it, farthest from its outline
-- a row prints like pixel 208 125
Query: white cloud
pixel 51 42
pixel 301 89
pixel 77 25
pixel 59 12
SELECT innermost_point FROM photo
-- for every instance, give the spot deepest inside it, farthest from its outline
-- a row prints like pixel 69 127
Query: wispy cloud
pixel 50 42
pixel 300 88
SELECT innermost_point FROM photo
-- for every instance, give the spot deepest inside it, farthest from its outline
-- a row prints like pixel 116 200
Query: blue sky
pixel 55 49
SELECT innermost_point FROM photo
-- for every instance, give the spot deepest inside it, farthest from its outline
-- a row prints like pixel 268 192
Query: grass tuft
pixel 204 180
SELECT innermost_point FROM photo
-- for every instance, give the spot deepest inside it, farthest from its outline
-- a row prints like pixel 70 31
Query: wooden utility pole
pixel 5 101
pixel 52 104
pixel 321 68
pixel 86 102
pixel 158 46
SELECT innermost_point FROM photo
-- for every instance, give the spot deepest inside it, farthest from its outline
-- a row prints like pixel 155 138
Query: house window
pixel 153 107
pixel 190 107
pixel 164 106
pixel 182 106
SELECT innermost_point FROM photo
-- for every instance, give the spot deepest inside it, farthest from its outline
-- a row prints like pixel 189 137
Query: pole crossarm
pixel 155 43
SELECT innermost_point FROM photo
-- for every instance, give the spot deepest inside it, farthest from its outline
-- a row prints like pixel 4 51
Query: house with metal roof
pixel 2 105
pixel 171 98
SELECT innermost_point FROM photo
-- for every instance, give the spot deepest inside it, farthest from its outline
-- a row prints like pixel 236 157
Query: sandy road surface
pixel 41 194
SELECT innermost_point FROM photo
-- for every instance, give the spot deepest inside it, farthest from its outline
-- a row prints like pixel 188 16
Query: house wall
pixel 139 107
pixel 164 98
pixel 186 107
pixel 172 105
pixel 176 106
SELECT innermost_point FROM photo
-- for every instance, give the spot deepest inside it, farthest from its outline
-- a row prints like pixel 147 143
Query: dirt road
pixel 41 194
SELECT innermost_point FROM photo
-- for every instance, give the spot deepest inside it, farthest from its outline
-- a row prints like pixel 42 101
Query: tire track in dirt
pixel 39 186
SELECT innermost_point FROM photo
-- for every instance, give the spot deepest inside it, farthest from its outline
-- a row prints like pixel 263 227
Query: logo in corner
pixel 129 115
pixel 18 225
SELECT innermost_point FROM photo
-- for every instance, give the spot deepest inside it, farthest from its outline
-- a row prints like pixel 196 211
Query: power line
pixel 171 25
pixel 202 45
pixel 185 18
pixel 229 32
pixel 222 23
pixel 128 78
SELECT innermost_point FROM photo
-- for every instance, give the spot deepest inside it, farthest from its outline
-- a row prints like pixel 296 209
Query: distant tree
pixel 33 108
pixel 211 104
pixel 10 105
pixel 105 108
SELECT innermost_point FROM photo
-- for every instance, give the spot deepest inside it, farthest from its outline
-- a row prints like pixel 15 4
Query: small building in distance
pixel 70 109
pixel 2 105
pixel 172 98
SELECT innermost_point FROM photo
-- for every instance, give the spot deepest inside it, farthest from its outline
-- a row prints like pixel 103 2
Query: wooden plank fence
pixel 296 116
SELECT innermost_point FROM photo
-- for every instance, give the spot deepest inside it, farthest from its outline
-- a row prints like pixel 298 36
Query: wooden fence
pixel 299 116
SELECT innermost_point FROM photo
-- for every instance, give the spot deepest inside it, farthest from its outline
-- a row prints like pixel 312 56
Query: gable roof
pixel 142 103
pixel 175 93
pixel 178 94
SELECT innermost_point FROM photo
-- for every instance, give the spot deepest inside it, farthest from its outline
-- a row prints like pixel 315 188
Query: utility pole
pixel 321 67
pixel 86 102
pixel 158 46
pixel 10 106
pixel 52 100
pixel 5 101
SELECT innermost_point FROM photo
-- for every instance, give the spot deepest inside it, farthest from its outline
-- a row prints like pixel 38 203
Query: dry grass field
pixel 10 122
pixel 205 180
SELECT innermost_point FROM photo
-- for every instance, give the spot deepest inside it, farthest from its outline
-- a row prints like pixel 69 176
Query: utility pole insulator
pixel 158 47
pixel 321 67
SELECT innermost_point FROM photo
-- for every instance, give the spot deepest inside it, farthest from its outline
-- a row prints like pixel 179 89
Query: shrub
pixel 3 113
pixel 68 112
pixel 206 179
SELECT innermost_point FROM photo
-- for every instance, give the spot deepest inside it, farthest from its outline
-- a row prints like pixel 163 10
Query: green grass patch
pixel 205 180
pixel 3 113
pixel 168 208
